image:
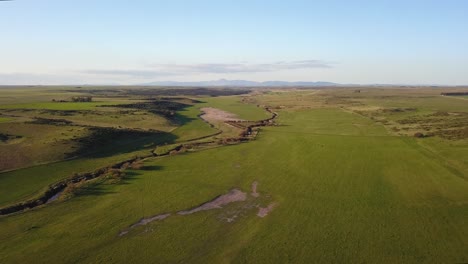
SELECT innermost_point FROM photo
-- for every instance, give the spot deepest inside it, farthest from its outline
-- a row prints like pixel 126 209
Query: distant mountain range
pixel 241 83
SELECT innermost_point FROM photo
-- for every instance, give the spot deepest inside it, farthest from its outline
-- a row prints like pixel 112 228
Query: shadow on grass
pixel 94 190
pixel 181 119
pixel 133 175
pixel 105 142
pixel 104 188
pixel 152 168
pixel 114 142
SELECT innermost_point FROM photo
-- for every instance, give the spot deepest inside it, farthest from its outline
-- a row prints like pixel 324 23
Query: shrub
pixel 418 135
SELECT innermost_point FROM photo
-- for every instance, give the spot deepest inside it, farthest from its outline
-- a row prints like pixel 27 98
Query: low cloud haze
pixel 161 70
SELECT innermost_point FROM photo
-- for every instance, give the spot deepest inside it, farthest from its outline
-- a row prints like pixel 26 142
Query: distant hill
pixel 243 83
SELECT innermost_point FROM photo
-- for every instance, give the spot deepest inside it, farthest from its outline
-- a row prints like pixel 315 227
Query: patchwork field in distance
pixel 324 175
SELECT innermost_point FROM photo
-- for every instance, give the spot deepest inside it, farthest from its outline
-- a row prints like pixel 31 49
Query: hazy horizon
pixel 52 42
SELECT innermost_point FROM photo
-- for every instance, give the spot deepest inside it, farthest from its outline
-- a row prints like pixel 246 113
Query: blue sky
pixel 126 42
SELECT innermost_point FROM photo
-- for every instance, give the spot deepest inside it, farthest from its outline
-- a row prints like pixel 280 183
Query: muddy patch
pixel 235 195
pixel 215 114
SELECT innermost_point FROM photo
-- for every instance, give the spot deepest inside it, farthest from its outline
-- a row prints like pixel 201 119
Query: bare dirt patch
pixel 254 192
pixel 264 211
pixel 215 114
pixel 235 195
pixel 242 209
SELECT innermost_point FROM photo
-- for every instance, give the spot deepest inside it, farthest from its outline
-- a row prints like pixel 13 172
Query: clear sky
pixel 127 42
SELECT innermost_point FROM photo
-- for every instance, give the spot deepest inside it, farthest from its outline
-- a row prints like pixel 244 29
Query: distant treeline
pixel 164 91
pixel 188 91
pixel 455 94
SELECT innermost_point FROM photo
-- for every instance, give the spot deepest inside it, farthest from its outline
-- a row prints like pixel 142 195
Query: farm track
pixel 54 190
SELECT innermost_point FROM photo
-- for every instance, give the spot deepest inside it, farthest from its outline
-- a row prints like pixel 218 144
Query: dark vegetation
pixel 76 99
pixel 50 121
pixel 390 110
pixel 65 112
pixel 399 110
pixel 455 94
pixel 49 111
pixel 7 137
pixel 82 98
pixel 419 135
pixel 446 125
pixel 103 141
pixel 193 101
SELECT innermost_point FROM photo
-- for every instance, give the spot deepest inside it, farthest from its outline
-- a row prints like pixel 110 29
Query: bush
pixel 418 135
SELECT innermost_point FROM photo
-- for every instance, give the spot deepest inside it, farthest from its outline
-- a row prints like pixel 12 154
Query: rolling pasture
pixel 339 177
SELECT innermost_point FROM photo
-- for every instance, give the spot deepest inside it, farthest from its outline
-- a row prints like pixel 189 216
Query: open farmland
pixel 376 176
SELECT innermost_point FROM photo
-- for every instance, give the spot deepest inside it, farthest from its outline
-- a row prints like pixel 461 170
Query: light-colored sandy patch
pixel 264 211
pixel 215 114
pixel 235 195
pixel 254 192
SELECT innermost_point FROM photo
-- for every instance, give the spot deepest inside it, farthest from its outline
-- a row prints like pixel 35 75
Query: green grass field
pixel 345 189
